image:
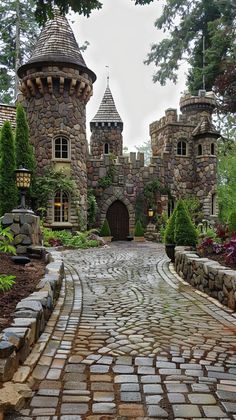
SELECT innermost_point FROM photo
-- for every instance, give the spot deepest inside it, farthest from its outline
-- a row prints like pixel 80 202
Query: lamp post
pixel 23 179
pixel 150 214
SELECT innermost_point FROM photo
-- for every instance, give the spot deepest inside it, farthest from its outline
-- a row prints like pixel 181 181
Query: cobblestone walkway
pixel 128 340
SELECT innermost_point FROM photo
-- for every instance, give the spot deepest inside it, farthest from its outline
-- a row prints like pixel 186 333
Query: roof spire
pixel 108 76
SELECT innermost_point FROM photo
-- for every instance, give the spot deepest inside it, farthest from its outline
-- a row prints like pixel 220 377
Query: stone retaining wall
pixel 30 317
pixel 208 276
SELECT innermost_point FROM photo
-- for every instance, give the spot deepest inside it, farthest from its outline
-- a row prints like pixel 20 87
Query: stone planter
pixel 139 239
pixel 170 251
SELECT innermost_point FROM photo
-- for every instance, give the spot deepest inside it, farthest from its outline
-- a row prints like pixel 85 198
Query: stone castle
pixel 56 85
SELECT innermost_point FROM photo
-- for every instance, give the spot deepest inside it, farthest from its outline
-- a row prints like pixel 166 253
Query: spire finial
pixel 108 77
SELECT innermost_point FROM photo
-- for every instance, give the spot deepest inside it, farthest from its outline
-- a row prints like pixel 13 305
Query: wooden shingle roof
pixel 56 44
pixel 8 113
pixel 205 126
pixel 107 111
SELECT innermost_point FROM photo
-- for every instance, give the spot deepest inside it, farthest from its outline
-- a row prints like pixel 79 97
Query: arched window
pixel 61 148
pixel 106 149
pixel 61 207
pixel 213 204
pixel 199 150
pixel 182 148
pixel 212 148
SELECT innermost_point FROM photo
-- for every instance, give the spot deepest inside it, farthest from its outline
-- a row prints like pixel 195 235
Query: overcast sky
pixel 120 35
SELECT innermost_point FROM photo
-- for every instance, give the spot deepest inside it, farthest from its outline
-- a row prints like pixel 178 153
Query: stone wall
pixel 25 228
pixel 208 276
pixel 102 133
pixel 30 317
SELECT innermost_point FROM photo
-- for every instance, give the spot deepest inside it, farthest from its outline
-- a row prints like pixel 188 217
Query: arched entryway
pixel 118 219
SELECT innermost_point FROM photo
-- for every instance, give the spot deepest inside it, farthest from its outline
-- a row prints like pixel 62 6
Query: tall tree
pixel 188 23
pixel 24 150
pixel 145 148
pixel 8 189
pixel 18 33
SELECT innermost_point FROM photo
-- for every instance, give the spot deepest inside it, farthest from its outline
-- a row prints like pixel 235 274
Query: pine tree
pixel 169 236
pixel 185 232
pixel 18 33
pixel 8 189
pixel 24 150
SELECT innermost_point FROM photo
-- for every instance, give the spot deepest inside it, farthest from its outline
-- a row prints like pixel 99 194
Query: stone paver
pixel 128 339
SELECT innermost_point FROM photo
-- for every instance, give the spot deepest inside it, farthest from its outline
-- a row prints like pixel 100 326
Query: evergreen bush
pixel 169 236
pixel 232 222
pixel 24 150
pixel 139 231
pixel 105 229
pixel 8 189
pixel 185 232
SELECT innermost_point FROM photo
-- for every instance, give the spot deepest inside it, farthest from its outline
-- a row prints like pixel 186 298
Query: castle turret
pixel 56 85
pixel 106 128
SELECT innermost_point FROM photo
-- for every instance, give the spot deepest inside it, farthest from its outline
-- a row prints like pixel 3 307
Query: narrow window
pixel 106 149
pixel 61 148
pixel 61 207
pixel 213 204
pixel 199 150
pixel 212 149
pixel 182 148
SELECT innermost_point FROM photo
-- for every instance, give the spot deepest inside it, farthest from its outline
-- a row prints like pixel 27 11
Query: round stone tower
pixel 106 128
pixel 56 85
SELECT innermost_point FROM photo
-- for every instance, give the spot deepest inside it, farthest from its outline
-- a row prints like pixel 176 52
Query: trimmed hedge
pixel 169 236
pixel 139 231
pixel 185 232
pixel 105 229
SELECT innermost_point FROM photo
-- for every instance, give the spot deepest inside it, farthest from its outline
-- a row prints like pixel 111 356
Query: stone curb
pixel 30 318
pixel 208 276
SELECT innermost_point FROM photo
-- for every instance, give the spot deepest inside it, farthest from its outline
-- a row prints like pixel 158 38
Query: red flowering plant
pixel 206 246
pixel 222 232
pixel 230 250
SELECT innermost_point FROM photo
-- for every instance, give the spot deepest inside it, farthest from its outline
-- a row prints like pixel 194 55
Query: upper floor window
pixel 182 148
pixel 213 151
pixel 106 149
pixel 61 148
pixel 61 207
pixel 199 150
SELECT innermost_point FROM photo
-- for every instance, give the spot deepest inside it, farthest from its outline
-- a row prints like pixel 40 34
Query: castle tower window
pixel 61 148
pixel 106 149
pixel 199 150
pixel 61 207
pixel 213 149
pixel 213 204
pixel 182 148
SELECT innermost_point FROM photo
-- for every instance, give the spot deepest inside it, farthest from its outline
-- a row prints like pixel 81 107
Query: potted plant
pixel 169 237
pixel 139 232
pixel 105 231
pixel 185 231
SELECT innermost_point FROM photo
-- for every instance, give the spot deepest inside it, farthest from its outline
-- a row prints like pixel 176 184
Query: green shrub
pixel 232 222
pixel 138 231
pixel 185 232
pixel 105 229
pixel 66 238
pixel 6 282
pixel 169 235
pixel 6 239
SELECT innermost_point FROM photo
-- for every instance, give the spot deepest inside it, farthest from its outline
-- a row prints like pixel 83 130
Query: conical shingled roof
pixel 205 126
pixel 56 44
pixel 107 111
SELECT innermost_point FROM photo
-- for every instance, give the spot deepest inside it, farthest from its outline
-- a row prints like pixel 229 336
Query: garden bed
pixel 27 277
pixel 220 259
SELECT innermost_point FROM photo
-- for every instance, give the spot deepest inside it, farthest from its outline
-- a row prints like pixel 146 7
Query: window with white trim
pixel 61 148
pixel 182 148
pixel 61 207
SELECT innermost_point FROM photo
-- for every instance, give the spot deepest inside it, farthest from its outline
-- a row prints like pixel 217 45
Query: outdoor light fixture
pixel 150 213
pixel 23 179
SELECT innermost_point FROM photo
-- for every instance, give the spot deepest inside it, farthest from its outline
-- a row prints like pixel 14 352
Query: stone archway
pixel 108 201
pixel 118 219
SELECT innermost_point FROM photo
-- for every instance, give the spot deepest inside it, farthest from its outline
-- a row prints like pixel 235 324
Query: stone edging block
pixel 30 318
pixel 207 276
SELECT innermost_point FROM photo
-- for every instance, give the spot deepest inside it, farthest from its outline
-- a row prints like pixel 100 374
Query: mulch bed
pixel 221 260
pixel 26 279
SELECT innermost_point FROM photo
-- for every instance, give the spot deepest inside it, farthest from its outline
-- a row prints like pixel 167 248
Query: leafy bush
pixel 185 232
pixel 169 235
pixel 6 239
pixel 6 282
pixel 105 229
pixel 66 238
pixel 138 231
pixel 230 250
pixel 232 222
pixel 92 208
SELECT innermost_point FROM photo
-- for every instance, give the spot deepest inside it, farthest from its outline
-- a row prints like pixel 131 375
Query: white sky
pixel 120 35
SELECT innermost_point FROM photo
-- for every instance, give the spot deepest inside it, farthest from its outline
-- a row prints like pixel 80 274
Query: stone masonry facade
pixel 55 86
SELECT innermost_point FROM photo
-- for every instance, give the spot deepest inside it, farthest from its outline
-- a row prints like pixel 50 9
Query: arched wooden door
pixel 118 219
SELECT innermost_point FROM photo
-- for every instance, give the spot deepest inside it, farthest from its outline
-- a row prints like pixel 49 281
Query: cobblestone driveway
pixel 146 345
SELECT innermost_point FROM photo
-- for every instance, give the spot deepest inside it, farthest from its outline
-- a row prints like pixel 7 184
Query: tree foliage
pixel 186 23
pixel 24 150
pixel 105 229
pixel 185 232
pixel 18 33
pixel 145 148
pixel 169 235
pixel 8 189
